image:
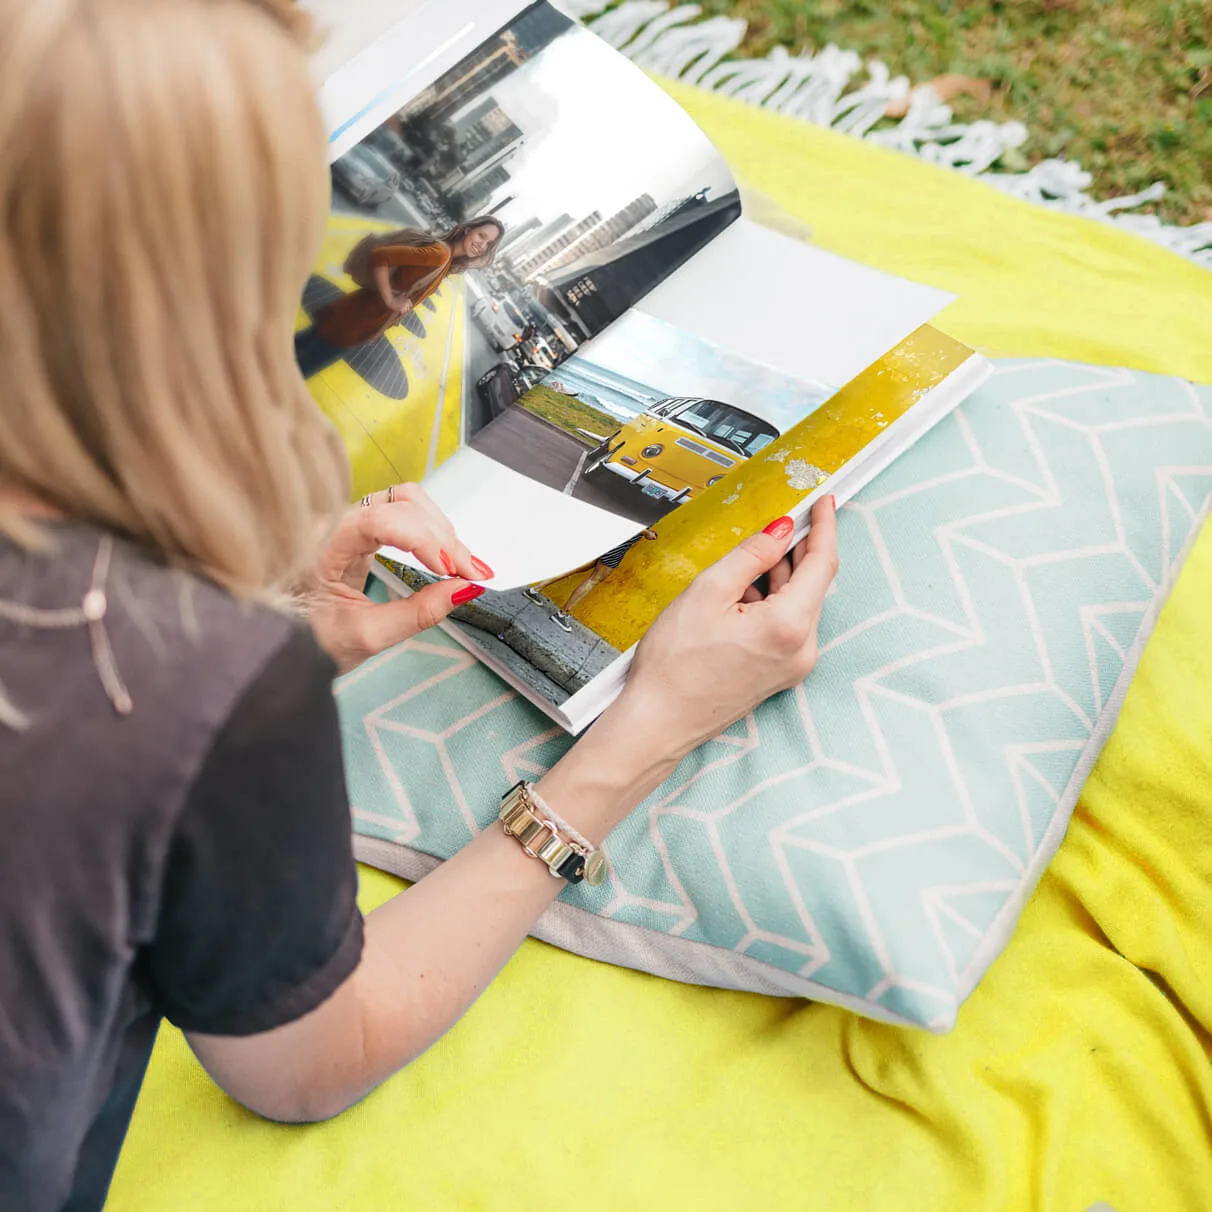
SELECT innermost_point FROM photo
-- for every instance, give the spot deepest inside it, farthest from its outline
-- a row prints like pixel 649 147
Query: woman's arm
pixel 400 303
pixel 432 950
pixel 387 257
pixel 347 624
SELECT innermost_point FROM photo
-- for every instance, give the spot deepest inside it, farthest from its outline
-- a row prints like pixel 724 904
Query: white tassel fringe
pixel 820 88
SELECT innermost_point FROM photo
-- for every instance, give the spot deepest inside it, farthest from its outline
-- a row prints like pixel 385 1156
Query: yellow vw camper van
pixel 681 445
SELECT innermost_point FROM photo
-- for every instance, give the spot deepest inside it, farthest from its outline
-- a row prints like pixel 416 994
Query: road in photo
pixel 526 637
pixel 479 359
pixel 553 457
pixel 396 211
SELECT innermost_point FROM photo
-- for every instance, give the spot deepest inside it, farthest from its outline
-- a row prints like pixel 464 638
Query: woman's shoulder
pixel 127 683
pixel 180 619
pixel 431 248
pixel 179 643
pixel 433 254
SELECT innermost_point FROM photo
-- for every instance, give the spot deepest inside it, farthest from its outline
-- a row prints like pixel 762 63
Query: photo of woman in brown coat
pixel 395 272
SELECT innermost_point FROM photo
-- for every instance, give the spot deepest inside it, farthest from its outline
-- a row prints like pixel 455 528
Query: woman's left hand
pixel 347 624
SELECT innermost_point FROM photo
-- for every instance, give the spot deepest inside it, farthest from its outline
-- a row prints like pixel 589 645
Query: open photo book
pixel 539 297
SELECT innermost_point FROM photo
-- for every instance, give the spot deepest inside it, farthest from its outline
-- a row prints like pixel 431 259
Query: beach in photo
pixel 646 418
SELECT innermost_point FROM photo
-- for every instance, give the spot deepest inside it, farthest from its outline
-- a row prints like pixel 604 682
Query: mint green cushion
pixel 870 838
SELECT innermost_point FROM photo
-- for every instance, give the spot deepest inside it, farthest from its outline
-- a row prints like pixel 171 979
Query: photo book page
pixel 651 453
pixel 538 297
pixel 486 228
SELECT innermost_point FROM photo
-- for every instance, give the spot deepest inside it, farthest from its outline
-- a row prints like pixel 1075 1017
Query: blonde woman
pixel 176 834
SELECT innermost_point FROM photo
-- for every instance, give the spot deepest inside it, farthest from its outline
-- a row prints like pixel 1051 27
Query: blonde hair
pixel 163 189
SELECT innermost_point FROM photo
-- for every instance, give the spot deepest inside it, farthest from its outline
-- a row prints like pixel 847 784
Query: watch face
pixel 595 868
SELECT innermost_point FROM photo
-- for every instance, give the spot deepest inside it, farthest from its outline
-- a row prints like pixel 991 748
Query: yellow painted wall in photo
pixel 394 441
pixel 772 483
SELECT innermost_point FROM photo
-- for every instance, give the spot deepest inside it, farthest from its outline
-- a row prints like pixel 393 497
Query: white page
pixel 779 301
pixel 767 297
pixel 377 54
pixel 812 313
pixel 347 27
pixel 525 530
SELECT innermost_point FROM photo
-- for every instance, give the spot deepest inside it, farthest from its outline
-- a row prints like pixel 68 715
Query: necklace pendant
pixel 94 605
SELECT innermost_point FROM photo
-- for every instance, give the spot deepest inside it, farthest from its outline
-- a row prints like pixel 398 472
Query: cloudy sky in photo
pixel 674 362
pixel 598 134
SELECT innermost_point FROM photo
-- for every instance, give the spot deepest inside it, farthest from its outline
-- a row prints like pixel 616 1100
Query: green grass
pixel 569 413
pixel 1122 86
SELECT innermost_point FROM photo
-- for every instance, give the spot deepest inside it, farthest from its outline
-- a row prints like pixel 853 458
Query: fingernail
pixel 483 569
pixel 447 563
pixel 833 502
pixel 780 528
pixel 468 593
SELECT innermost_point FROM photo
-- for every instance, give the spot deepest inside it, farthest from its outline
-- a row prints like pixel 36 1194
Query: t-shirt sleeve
pixel 258 922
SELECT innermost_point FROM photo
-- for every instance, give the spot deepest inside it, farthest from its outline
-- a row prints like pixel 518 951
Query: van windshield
pixel 742 431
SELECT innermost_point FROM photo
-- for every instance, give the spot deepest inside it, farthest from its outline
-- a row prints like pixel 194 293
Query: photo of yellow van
pixel 680 445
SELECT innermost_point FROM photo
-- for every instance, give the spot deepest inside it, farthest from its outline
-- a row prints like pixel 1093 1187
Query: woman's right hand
pixel 400 303
pixel 721 648
pixel 347 624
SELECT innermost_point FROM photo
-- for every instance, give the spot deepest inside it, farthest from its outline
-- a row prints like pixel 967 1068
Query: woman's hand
pixel 723 646
pixel 401 304
pixel 347 624
pixel 708 659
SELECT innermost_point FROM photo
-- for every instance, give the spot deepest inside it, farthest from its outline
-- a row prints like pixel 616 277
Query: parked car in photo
pixel 528 377
pixel 504 384
pixel 680 446
pixel 365 177
pixel 391 147
pixel 562 335
pixel 501 320
pixel 538 351
pixel 498 389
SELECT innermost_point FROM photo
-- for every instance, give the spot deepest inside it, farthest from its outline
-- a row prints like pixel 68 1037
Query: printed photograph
pixel 480 235
pixel 646 418
pixel 640 424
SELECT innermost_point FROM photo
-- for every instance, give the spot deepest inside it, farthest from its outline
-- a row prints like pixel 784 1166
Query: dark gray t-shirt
pixel 191 860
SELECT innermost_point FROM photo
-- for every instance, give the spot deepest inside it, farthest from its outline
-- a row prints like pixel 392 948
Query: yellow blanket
pixel 1079 1070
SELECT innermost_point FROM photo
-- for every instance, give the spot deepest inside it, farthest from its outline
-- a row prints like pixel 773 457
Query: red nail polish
pixel 780 528
pixel 468 593
pixel 447 563
pixel 483 569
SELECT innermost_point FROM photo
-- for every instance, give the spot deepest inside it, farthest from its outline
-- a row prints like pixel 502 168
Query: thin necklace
pixel 91 613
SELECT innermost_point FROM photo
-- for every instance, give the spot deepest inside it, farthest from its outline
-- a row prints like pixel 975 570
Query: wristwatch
pixel 548 838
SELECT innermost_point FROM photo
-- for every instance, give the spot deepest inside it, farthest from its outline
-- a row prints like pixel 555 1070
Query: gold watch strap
pixel 532 825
